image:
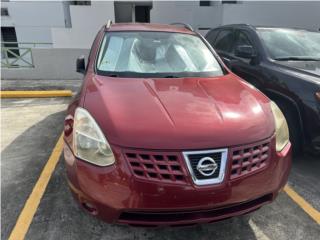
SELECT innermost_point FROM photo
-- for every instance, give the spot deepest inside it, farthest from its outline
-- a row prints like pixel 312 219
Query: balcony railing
pixel 19 54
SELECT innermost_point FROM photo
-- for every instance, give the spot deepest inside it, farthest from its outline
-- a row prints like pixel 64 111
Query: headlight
pixel 89 143
pixel 282 131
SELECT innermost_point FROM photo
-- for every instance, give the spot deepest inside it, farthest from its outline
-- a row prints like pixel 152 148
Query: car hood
pixel 311 68
pixel 179 113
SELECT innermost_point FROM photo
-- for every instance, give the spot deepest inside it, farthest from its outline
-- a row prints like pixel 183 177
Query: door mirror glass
pixel 245 51
pixel 81 66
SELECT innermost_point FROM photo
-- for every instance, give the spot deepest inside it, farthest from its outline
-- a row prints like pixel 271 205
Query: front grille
pixel 250 158
pixel 156 166
pixel 215 158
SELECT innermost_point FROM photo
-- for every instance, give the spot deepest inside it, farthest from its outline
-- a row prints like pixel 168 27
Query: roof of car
pixel 148 27
pixel 261 26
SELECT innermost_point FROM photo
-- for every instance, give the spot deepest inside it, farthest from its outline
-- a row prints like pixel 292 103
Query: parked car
pixel 285 65
pixel 162 133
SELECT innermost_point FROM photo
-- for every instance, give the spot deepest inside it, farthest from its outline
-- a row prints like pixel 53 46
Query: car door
pixel 248 69
pixel 222 41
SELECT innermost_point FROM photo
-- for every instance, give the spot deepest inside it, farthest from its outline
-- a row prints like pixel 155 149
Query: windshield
pixel 291 44
pixel 155 54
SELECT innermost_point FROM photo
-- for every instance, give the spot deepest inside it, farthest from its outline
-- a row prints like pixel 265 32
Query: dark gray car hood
pixel 306 67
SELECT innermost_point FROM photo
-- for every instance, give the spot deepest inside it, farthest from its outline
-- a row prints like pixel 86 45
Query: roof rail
pixel 108 25
pixel 187 26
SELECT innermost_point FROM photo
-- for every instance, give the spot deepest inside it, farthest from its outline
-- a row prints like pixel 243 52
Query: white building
pixel 72 25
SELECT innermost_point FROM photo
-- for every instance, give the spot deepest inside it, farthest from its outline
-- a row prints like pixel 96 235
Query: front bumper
pixel 116 196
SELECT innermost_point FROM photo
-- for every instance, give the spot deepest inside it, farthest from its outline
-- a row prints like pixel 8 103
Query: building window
pixel 4 12
pixel 83 3
pixel 9 40
pixel 205 3
pixel 229 2
pixel 142 14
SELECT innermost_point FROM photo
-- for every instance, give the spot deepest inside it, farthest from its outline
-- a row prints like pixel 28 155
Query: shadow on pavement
pixel 21 165
pixel 305 178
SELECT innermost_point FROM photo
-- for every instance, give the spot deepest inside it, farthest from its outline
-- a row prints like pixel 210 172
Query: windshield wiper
pixel 112 75
pixel 171 76
pixel 297 59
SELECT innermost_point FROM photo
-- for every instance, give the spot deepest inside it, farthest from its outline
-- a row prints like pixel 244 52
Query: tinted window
pixel 243 39
pixel 224 41
pixel 287 43
pixel 211 36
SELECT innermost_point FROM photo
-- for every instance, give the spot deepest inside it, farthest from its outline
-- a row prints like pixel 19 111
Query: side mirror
pixel 81 66
pixel 245 51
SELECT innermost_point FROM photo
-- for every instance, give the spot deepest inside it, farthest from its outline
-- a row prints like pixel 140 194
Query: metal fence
pixel 19 54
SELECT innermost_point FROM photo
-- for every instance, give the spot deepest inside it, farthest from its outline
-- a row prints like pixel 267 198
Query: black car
pixel 285 65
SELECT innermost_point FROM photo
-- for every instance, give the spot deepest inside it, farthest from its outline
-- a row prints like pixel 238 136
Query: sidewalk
pixel 15 85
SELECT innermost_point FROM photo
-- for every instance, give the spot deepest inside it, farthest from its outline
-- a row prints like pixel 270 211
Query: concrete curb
pixel 36 94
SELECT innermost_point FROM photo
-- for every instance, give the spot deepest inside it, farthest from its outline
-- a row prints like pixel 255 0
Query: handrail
pixel 29 44
pixel 16 57
pixel 42 43
pixel 19 54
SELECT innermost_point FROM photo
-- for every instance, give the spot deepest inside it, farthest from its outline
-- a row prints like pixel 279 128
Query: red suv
pixel 162 133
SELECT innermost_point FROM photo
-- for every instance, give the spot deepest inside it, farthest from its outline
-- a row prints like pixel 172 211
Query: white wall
pixel 86 22
pixel 33 20
pixel 280 14
pixel 49 64
pixel 187 12
pixel 33 34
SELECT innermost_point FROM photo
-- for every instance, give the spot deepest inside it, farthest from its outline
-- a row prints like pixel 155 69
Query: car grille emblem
pixel 207 166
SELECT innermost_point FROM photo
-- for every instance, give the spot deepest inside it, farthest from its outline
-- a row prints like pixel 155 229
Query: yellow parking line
pixel 25 218
pixel 311 211
pixel 35 94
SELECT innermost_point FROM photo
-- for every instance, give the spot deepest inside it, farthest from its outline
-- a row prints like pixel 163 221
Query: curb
pixel 35 94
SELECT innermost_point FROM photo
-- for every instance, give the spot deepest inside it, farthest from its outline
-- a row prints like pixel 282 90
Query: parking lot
pixel 30 130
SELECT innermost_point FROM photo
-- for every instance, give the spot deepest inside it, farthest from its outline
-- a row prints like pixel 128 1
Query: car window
pixel 242 39
pixel 211 36
pixel 224 41
pixel 290 43
pixel 156 54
